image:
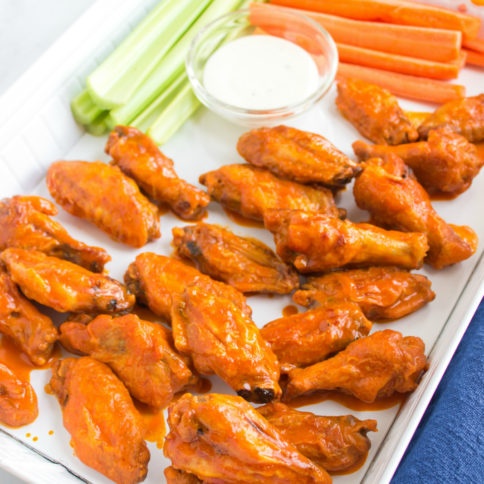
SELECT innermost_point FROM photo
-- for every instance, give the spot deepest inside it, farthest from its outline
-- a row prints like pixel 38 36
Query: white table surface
pixel 27 29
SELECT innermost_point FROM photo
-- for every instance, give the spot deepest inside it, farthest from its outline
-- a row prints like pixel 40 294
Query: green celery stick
pixel 114 81
pixel 170 67
pixel 83 108
pixel 98 126
pixel 174 115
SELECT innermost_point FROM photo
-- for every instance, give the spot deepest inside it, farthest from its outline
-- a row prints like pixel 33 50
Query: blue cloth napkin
pixel 448 446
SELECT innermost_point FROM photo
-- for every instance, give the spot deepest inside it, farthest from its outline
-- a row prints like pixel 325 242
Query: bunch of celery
pixel 143 82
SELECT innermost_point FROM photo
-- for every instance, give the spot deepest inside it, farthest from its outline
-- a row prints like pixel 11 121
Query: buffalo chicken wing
pixel 397 201
pixel 18 401
pixel 64 286
pixel 250 191
pixel 305 338
pixel 32 331
pixel 222 438
pixel 106 197
pixel 221 338
pixel 140 158
pixel 374 112
pixel 372 367
pixel 444 164
pixel 464 116
pixel 243 262
pixel 297 155
pixel 316 242
pixel 383 293
pixel 106 428
pixel 141 354
pixel 26 223
pixel 335 443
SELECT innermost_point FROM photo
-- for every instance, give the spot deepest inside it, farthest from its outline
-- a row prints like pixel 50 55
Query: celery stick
pixel 170 66
pixel 98 126
pixel 149 115
pixel 113 82
pixel 174 115
pixel 83 108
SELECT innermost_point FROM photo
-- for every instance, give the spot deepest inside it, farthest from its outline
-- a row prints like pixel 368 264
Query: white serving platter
pixel 36 128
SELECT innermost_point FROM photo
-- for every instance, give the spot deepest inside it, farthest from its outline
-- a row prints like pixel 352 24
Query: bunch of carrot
pixel 410 48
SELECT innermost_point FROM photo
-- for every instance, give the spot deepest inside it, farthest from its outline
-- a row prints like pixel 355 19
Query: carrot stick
pixel 393 11
pixel 474 44
pixel 398 63
pixel 412 87
pixel 475 58
pixel 424 43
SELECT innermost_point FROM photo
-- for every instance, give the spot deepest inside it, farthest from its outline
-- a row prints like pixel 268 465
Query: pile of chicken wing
pixel 344 275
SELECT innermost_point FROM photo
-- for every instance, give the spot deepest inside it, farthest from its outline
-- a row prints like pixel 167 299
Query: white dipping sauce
pixel 260 72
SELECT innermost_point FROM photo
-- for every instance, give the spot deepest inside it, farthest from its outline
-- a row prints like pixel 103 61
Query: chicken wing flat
pixel 106 197
pixel 18 401
pixel 305 338
pixel 297 155
pixel 335 443
pixel 139 157
pixel 139 352
pixel 383 293
pixel 445 164
pixel 64 286
pixel 464 116
pixel 243 262
pixel 372 367
pixel 222 438
pixel 105 427
pixel 33 332
pixel 374 112
pixel 250 191
pixel 222 339
pixel 155 279
pixel 26 223
pixel 316 242
pixel 397 201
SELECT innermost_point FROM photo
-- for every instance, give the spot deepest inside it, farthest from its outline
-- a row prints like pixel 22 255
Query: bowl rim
pixel 292 109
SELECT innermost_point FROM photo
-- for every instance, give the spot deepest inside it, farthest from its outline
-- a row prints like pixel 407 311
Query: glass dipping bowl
pixel 294 27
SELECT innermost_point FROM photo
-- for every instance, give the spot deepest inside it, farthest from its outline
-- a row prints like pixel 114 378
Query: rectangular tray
pixel 36 128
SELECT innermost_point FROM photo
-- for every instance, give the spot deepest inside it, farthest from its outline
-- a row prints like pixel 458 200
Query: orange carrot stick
pixel 398 63
pixel 475 58
pixel 393 11
pixel 411 87
pixel 474 44
pixel 424 43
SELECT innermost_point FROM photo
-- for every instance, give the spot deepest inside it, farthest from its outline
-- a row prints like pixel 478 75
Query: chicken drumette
pixel 106 429
pixel 222 438
pixel 305 338
pixel 297 155
pixel 18 401
pixel 221 338
pixel 64 286
pixel 106 197
pixel 140 158
pixel 250 191
pixel 316 242
pixel 396 200
pixel 464 116
pixel 372 367
pixel 33 332
pixel 444 164
pixel 141 354
pixel 335 443
pixel 243 262
pixel 374 112
pixel 383 293
pixel 26 223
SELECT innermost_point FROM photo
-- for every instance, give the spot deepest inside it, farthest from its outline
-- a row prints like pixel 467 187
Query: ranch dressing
pixel 260 72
